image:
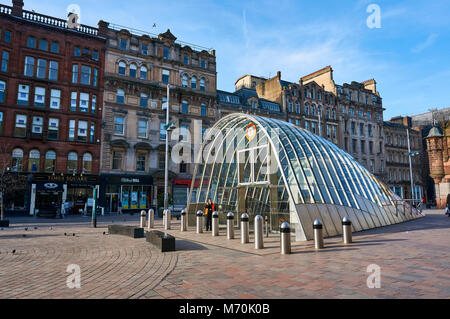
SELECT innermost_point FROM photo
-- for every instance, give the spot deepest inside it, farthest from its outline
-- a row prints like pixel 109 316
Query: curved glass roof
pixel 284 166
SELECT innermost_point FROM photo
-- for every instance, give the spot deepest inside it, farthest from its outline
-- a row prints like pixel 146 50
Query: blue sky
pixel 408 56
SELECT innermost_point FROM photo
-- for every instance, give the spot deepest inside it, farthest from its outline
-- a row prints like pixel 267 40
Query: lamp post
pixel 169 127
pixel 410 155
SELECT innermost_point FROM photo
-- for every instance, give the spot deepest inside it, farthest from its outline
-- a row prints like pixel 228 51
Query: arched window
pixel 144 100
pixel 313 110
pixel 120 98
pixel 194 82
pixel 203 109
pixel 143 74
pixel 307 109
pixel 185 81
pixel 133 70
pixel 50 162
pixel 185 107
pixel 87 163
pixel 202 84
pixel 122 68
pixel 72 162
pixel 34 161
pixel 17 160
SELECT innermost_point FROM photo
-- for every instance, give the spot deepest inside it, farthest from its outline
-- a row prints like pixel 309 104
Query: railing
pixel 5 9
pixel 408 205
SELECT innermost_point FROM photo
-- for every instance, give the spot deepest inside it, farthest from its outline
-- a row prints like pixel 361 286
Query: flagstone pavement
pixel 414 260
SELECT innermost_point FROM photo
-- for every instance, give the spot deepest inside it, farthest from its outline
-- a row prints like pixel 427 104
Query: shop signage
pixel 129 180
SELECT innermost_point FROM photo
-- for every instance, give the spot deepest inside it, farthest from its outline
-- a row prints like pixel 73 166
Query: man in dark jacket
pixel 208 212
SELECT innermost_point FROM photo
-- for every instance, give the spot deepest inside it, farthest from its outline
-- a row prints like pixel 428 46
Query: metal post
pixel 168 218
pixel 285 231
pixel 215 224
pixel 151 219
pixel 318 234
pixel 245 232
pixel 230 226
pixel 143 218
pixel 259 233
pixel 266 222
pixel 94 204
pixel 413 193
pixel 166 169
pixel 183 220
pixel 347 230
pixel 164 218
pixel 199 222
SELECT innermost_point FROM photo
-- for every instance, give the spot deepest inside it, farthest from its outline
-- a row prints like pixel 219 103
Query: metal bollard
pixel 230 226
pixel 259 233
pixel 199 222
pixel 215 224
pixel 168 219
pixel 151 219
pixel 318 234
pixel 245 231
pixel 143 218
pixel 183 220
pixel 285 231
pixel 164 218
pixel 347 230
pixel 266 222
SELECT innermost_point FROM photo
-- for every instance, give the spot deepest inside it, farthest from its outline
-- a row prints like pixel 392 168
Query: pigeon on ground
pixel 73 234
pixel 65 234
pixel 14 251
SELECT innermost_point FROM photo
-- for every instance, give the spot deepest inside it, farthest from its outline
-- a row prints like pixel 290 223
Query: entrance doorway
pixel 112 203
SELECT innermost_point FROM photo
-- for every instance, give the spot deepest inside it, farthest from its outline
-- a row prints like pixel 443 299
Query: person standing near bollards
pixel 230 226
pixel 245 232
pixel 285 231
pixel 199 222
pixel 259 233
pixel 347 230
pixel 215 224
pixel 143 218
pixel 209 209
pixel 183 220
pixel 151 219
pixel 318 234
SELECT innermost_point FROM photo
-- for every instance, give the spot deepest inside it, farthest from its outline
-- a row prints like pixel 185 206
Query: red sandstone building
pixel 51 100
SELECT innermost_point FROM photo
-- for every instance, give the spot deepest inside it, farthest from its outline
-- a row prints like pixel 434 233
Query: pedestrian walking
pixel 120 207
pixel 209 209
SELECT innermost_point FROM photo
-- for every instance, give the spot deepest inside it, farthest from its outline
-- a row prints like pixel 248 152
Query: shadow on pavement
pixel 185 245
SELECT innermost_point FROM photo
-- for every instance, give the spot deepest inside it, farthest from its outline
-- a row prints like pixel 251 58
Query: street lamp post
pixel 410 155
pixel 166 168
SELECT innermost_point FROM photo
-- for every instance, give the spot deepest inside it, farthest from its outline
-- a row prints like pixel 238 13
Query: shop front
pixel 126 193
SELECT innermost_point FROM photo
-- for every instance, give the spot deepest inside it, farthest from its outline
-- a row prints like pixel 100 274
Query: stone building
pixel 139 66
pixel 398 176
pixel 51 99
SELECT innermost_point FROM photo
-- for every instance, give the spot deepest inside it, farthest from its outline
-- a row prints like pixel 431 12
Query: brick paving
pixel 414 259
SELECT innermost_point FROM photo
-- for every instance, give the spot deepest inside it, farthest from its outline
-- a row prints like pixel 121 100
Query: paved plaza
pixel 414 260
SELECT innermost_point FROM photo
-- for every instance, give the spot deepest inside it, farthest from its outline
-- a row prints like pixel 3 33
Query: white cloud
pixel 427 43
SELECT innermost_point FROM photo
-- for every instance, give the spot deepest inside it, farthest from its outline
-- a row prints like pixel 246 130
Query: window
pixel 194 83
pixel 53 71
pixel 203 63
pixel 133 70
pixel 307 109
pixel 166 53
pixel 1 123
pixel 53 129
pixel 71 130
pixel 119 125
pixel 186 59
pixel 94 104
pixel 184 81
pixel 92 133
pixel 86 51
pixel 120 97
pixel 202 84
pixel 307 125
pixel 87 163
pixel 144 100
pixel 166 76
pixel 95 77
pixel 43 45
pixel 84 102
pixel 144 49
pixel 363 146
pixel 73 101
pixel 41 68
pixel 203 109
pixel 76 51
pixel 162 131
pixel 85 75
pixel 140 162
pixel 17 160
pixel 50 162
pixel 361 129
pixel 123 44
pixel 122 68
pixel 161 160
pixel 75 73
pixel 184 107
pixel 72 162
pixel 31 42
pixel 29 66
pixel 164 103
pixel 55 99
pixel 5 61
pixel 371 147
pixel 334 132
pixel 54 47
pixel 352 111
pixel 82 131
pixel 117 160
pixel 95 55
pixel 143 73
pixel 142 128
pixel 23 94
pixel 369 130
pixel 354 146
pixel 2 91
pixel 39 96
pixel 7 36
pixel 313 127
pixel 361 113
pixel 34 161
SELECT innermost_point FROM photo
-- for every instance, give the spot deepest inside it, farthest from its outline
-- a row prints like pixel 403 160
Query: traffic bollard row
pixel 151 219
pixel 245 232
pixel 230 226
pixel 347 230
pixel 143 219
pixel 183 221
pixel 285 231
pixel 199 222
pixel 259 234
pixel 215 224
pixel 318 234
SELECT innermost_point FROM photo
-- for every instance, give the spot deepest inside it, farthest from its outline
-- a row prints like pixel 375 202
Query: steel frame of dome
pixel 313 179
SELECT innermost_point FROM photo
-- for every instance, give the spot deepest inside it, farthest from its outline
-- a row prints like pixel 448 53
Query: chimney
pixel 213 52
pixel 17 8
pixel 279 75
pixel 103 28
